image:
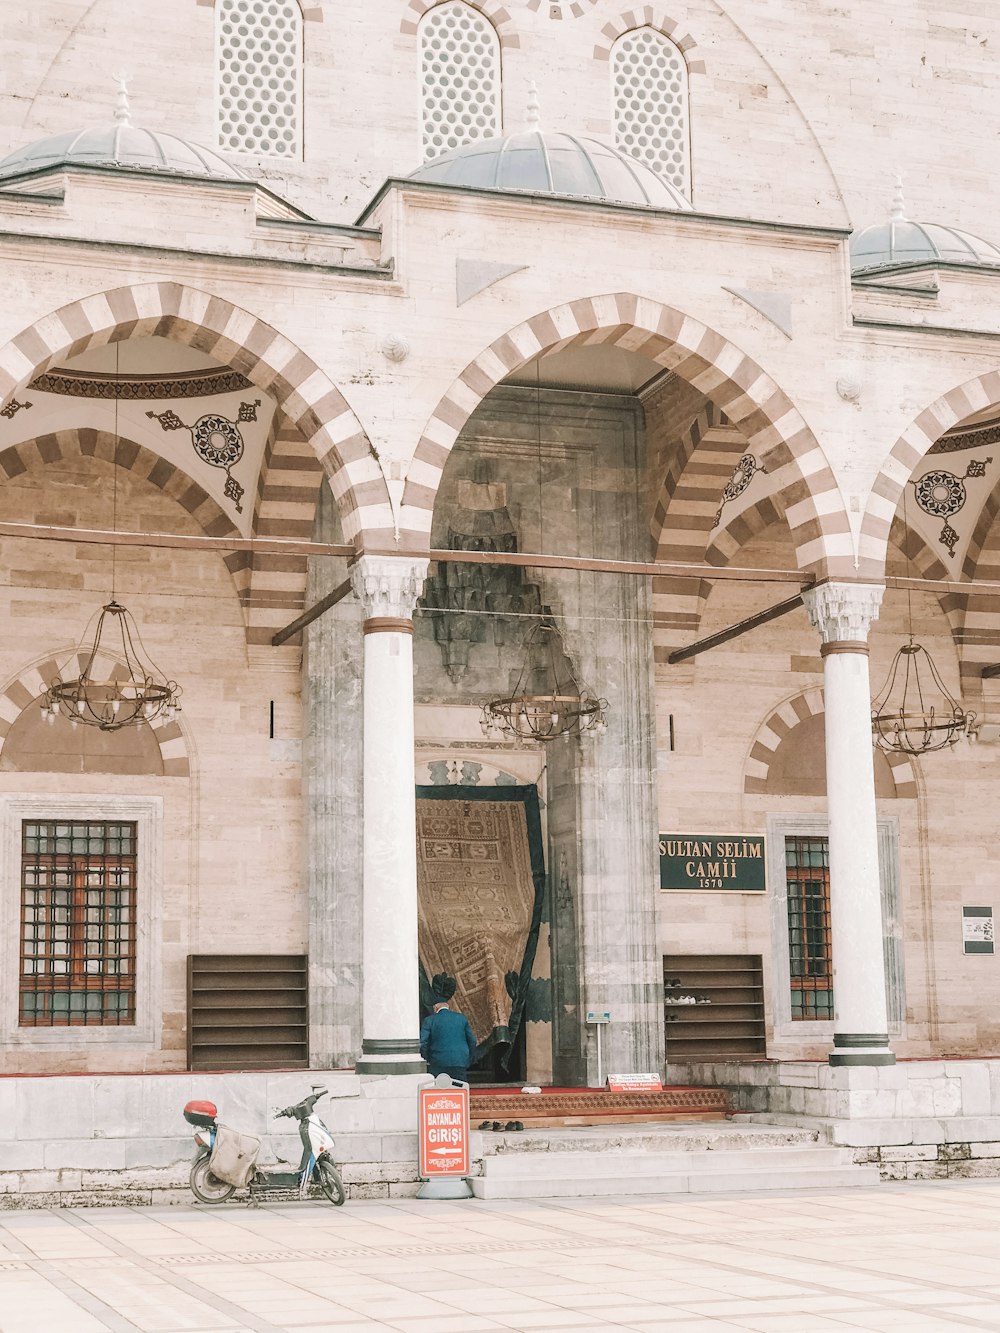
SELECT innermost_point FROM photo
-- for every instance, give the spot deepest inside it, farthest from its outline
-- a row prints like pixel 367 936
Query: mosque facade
pixel 537 343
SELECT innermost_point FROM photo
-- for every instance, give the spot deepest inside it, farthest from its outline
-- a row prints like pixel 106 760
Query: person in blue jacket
pixel 447 1042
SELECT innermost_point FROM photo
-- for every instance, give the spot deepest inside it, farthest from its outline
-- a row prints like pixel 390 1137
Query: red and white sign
pixel 443 1131
pixel 635 1083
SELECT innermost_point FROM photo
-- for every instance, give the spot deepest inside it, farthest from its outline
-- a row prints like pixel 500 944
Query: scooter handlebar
pixel 303 1108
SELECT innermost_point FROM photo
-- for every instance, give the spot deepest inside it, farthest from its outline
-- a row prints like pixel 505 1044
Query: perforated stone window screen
pixel 459 79
pixel 649 90
pixel 259 62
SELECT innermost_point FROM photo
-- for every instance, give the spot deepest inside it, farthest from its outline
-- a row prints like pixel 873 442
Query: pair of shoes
pixel 493 1125
pixel 514 1125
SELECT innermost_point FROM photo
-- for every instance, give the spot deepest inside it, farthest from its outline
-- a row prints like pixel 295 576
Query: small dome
pixel 902 241
pixel 559 164
pixel 121 144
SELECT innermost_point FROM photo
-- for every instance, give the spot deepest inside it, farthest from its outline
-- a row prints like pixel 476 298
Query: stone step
pixel 704 1137
pixel 729 1179
pixel 610 1166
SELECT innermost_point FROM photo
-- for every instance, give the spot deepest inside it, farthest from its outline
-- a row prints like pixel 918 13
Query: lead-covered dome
pixel 534 162
pixel 122 145
pixel 900 241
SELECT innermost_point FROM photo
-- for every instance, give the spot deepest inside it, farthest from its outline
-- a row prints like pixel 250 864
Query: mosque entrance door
pixel 481 881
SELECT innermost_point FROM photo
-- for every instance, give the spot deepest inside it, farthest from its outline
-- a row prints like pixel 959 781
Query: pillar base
pixel 861 1048
pixel 392 1056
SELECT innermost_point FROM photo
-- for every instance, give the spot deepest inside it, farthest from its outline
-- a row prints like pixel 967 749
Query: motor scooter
pixel 316 1167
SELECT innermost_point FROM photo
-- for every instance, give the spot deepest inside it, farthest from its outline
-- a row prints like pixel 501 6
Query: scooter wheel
pixel 329 1179
pixel 207 1188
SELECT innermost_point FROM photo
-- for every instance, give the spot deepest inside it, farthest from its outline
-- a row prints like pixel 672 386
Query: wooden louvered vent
pixel 727 1019
pixel 248 1011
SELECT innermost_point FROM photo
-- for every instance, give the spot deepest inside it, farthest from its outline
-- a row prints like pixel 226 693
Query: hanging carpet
pixel 480 880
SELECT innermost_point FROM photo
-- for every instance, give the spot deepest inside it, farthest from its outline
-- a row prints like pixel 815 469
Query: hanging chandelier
pixel 137 691
pixel 914 712
pixel 567 708
pixel 140 693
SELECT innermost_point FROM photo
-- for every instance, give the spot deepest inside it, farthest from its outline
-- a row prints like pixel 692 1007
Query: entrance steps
pixel 660 1159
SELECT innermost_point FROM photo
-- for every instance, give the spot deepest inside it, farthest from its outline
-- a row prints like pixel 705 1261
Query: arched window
pixel 259 62
pixel 649 92
pixel 459 78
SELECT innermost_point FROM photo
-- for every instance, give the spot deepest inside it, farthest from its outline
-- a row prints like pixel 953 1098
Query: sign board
pixel 635 1083
pixel 977 929
pixel 598 1016
pixel 733 861
pixel 443 1131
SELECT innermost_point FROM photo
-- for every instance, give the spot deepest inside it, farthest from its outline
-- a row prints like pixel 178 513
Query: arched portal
pixel 234 337
pixel 773 427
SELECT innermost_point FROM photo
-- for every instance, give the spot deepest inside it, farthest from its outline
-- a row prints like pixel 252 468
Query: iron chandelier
pixel 914 712
pixel 567 708
pixel 140 693
pixel 137 690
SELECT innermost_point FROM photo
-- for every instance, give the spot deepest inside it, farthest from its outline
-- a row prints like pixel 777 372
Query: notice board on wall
pixel 977 930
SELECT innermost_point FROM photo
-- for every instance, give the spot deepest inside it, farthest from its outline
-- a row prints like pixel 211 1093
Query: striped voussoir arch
pixel 908 451
pixel 311 13
pixel 781 722
pixel 497 14
pixel 750 399
pixel 650 16
pixel 236 338
pixel 699 466
pixel 979 610
pixel 87 442
pixel 575 7
pixel 21 692
pixel 287 495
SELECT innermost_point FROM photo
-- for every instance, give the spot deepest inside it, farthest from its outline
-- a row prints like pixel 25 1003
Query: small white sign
pixel 977 930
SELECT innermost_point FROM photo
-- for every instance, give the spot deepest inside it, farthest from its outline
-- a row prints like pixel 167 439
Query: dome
pixel 559 164
pixel 120 144
pixel 901 241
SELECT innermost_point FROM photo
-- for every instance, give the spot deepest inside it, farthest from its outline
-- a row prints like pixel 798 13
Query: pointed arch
pixel 30 684
pixel 908 451
pixel 651 16
pixel 237 338
pixel 771 424
pixel 496 12
pixel 779 725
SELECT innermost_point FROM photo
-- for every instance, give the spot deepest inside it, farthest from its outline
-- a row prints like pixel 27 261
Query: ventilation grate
pixel 650 94
pixel 260 77
pixel 460 79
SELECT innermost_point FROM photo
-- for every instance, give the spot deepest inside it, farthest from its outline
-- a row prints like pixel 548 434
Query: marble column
pixel 388 588
pixel 843 613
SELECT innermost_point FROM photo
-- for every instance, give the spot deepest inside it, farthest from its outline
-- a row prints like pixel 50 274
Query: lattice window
pixel 259 61
pixel 459 79
pixel 649 88
pixel 78 924
pixel 810 955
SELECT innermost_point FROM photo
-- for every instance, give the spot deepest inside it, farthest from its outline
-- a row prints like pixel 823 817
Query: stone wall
pixel 108 1139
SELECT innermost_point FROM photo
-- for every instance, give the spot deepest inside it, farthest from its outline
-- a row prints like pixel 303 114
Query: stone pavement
pixel 920 1256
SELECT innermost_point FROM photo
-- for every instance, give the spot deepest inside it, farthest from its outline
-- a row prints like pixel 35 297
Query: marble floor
pixel 919 1256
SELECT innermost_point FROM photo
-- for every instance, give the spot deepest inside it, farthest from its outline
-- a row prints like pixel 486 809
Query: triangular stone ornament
pixel 775 306
pixel 473 276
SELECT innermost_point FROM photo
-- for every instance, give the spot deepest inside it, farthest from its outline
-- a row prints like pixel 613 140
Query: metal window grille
pixel 810 955
pixel 259 70
pixel 78 918
pixel 649 90
pixel 459 79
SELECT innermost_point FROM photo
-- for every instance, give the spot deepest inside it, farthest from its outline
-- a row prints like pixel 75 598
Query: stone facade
pixel 604 389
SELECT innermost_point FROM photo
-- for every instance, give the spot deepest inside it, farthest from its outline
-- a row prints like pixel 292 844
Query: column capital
pixel 387 586
pixel 843 612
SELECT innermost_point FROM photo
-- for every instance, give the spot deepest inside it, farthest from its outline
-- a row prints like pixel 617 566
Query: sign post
pixel 597 1018
pixel 443 1139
